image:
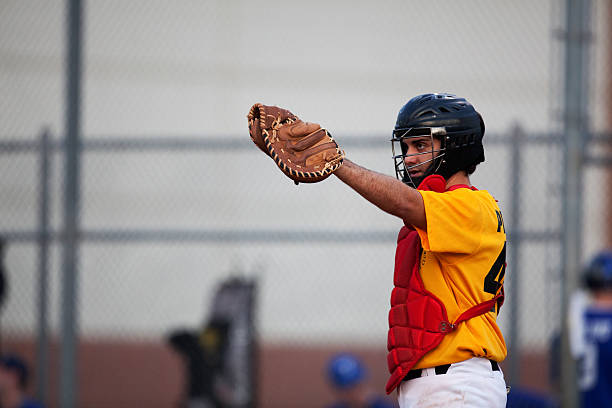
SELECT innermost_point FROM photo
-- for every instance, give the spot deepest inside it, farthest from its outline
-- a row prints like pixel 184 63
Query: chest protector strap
pixel 417 320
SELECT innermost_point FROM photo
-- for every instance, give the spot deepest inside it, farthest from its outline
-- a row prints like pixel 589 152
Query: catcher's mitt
pixel 303 151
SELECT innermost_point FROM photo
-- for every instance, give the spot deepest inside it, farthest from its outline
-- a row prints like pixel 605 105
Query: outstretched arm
pixel 385 192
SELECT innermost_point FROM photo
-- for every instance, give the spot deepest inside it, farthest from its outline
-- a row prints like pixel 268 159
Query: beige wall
pixel 158 68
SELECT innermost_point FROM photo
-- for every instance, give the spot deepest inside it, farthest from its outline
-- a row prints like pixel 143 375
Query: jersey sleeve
pixel 455 221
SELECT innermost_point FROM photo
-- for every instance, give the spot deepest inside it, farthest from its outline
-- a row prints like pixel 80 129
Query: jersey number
pixel 494 278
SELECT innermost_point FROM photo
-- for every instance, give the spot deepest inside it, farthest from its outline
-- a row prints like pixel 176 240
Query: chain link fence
pixel 175 198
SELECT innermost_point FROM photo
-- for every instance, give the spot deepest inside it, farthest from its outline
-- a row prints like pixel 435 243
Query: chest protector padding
pixel 417 320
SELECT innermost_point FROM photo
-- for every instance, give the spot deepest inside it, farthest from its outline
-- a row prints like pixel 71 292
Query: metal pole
pixel 43 269
pixel 71 207
pixel 608 147
pixel 513 257
pixel 577 13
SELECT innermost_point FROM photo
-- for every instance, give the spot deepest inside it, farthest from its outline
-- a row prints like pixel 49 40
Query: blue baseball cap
pixel 14 363
pixel 345 370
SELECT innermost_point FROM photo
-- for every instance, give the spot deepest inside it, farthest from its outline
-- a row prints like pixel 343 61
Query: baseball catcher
pixel 444 342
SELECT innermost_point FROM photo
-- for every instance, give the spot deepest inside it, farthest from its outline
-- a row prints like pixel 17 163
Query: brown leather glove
pixel 304 151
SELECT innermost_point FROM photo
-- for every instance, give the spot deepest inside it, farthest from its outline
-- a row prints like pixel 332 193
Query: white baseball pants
pixel 467 384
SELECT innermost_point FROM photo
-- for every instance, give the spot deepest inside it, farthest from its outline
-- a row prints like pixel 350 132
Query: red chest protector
pixel 417 320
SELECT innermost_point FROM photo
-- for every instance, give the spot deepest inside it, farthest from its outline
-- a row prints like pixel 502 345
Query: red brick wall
pixel 137 374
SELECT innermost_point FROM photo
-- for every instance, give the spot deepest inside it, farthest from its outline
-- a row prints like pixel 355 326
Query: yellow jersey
pixel 463 264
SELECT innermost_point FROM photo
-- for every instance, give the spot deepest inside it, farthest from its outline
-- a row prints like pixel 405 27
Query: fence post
pixel 577 38
pixel 513 255
pixel 42 360
pixel 71 231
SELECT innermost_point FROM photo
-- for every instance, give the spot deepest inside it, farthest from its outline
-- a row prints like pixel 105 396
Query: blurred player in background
pixel 591 320
pixel 220 359
pixel 347 375
pixel 14 377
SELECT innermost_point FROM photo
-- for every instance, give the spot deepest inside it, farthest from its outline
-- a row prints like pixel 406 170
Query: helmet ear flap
pixel 482 125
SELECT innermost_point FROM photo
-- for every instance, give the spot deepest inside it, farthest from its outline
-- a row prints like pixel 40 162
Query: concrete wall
pixel 157 68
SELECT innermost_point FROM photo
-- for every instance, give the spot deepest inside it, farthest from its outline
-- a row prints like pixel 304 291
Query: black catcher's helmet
pixel 598 274
pixel 450 118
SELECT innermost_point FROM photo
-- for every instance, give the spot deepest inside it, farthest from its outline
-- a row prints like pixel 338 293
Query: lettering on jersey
pixel 593 376
pixel 500 221
pixel 599 330
pixel 495 277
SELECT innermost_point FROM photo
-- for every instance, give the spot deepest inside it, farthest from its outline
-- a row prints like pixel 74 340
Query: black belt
pixel 441 369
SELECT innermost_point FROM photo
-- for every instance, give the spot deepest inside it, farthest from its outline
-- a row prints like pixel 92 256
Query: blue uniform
pixel 595 376
pixel 375 402
pixel 29 403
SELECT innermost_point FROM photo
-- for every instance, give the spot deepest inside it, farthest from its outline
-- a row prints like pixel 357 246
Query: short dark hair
pixel 15 364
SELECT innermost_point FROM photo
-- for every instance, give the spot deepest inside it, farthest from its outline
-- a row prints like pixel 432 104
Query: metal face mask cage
pixel 402 172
